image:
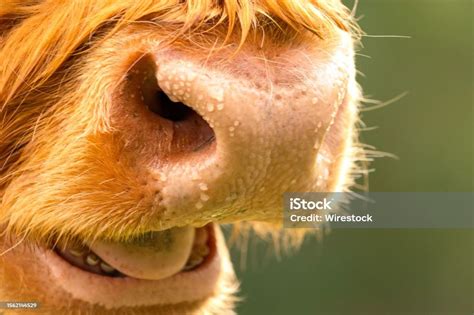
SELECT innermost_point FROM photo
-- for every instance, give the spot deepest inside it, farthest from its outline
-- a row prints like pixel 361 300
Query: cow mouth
pixel 149 256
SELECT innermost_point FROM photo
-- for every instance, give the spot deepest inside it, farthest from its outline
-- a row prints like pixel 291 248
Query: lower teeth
pixel 76 252
pixel 92 259
pixel 198 254
pixel 106 267
pixel 192 263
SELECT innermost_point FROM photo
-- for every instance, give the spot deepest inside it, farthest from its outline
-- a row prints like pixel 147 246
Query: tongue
pixel 152 256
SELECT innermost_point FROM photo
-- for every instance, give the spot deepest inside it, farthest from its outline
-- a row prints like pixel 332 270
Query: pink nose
pixel 203 139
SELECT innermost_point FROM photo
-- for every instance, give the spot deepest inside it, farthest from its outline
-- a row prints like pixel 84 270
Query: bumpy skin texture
pixel 82 156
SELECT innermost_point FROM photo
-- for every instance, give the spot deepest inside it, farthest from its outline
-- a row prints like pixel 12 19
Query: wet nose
pixel 207 137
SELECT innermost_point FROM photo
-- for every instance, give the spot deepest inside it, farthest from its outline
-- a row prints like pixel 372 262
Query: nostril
pixel 163 106
pixel 171 129
pixel 183 118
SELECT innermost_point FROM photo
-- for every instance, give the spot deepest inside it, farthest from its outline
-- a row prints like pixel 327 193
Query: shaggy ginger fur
pixel 66 168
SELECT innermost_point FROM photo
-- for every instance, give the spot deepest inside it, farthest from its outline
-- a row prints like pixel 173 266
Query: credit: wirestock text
pixel 331 218
pixel 322 205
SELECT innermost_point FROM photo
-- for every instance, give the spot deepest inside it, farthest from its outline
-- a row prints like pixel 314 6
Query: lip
pixel 110 292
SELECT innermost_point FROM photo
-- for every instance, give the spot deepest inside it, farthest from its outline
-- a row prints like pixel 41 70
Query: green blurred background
pixel 404 271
